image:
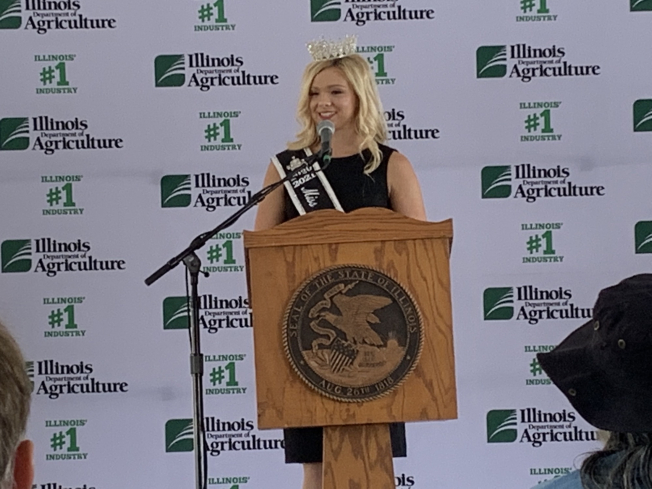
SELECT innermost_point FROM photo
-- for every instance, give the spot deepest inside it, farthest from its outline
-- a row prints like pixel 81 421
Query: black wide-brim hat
pixel 605 366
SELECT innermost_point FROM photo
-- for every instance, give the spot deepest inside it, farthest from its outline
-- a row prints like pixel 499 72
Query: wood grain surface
pixel 414 253
pixel 367 224
pixel 358 457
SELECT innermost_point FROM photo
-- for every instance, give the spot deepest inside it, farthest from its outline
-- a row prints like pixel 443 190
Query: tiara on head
pixel 322 49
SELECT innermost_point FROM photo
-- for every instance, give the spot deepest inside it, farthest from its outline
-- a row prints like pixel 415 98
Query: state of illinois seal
pixel 352 333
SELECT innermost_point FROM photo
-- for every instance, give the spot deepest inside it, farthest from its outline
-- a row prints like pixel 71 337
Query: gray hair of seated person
pixel 632 468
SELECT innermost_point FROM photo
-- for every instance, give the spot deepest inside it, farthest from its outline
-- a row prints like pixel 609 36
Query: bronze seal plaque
pixel 352 333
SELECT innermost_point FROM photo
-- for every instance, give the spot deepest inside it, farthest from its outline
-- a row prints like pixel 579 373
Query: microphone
pixel 325 129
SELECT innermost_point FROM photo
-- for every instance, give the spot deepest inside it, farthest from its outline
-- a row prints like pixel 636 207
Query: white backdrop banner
pixel 127 128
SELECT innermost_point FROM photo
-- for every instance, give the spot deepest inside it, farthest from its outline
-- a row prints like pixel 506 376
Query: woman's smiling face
pixel 332 98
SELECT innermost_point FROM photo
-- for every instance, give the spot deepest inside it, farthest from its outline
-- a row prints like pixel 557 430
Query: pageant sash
pixel 309 189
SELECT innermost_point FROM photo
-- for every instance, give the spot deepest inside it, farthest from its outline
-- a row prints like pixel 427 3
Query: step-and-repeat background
pixel 126 128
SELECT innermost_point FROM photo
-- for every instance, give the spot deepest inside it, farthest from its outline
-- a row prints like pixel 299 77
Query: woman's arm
pixel 404 190
pixel 270 210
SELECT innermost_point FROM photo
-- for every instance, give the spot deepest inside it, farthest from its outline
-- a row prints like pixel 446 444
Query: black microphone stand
pixel 193 266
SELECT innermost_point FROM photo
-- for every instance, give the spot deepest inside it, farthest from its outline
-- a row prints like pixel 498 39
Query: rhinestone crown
pixel 322 49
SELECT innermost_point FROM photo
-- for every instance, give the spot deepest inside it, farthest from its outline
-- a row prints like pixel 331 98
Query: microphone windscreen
pixel 325 129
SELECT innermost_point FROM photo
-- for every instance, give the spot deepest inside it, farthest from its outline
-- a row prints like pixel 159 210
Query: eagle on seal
pixel 357 313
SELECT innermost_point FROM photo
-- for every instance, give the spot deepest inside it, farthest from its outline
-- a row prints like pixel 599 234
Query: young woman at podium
pixel 338 86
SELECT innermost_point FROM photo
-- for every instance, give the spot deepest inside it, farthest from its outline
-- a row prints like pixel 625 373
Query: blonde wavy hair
pixel 369 117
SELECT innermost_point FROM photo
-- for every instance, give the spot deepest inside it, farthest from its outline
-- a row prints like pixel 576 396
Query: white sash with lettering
pixel 309 189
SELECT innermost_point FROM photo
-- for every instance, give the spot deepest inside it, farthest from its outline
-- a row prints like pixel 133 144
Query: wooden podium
pixel 357 451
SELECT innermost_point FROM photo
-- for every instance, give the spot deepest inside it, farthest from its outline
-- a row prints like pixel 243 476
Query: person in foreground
pixel 605 370
pixel 16 455
pixel 339 87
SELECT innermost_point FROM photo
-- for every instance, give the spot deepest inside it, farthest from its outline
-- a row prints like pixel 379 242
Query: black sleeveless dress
pixel 354 190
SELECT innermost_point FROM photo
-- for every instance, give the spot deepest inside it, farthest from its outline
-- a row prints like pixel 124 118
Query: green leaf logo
pixel 10 14
pixel 169 70
pixel 14 134
pixel 175 313
pixel 175 191
pixel 29 368
pixel 496 182
pixel 501 426
pixel 16 255
pixel 640 5
pixel 643 237
pixel 491 61
pixel 325 10
pixel 179 435
pixel 643 115
pixel 498 303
